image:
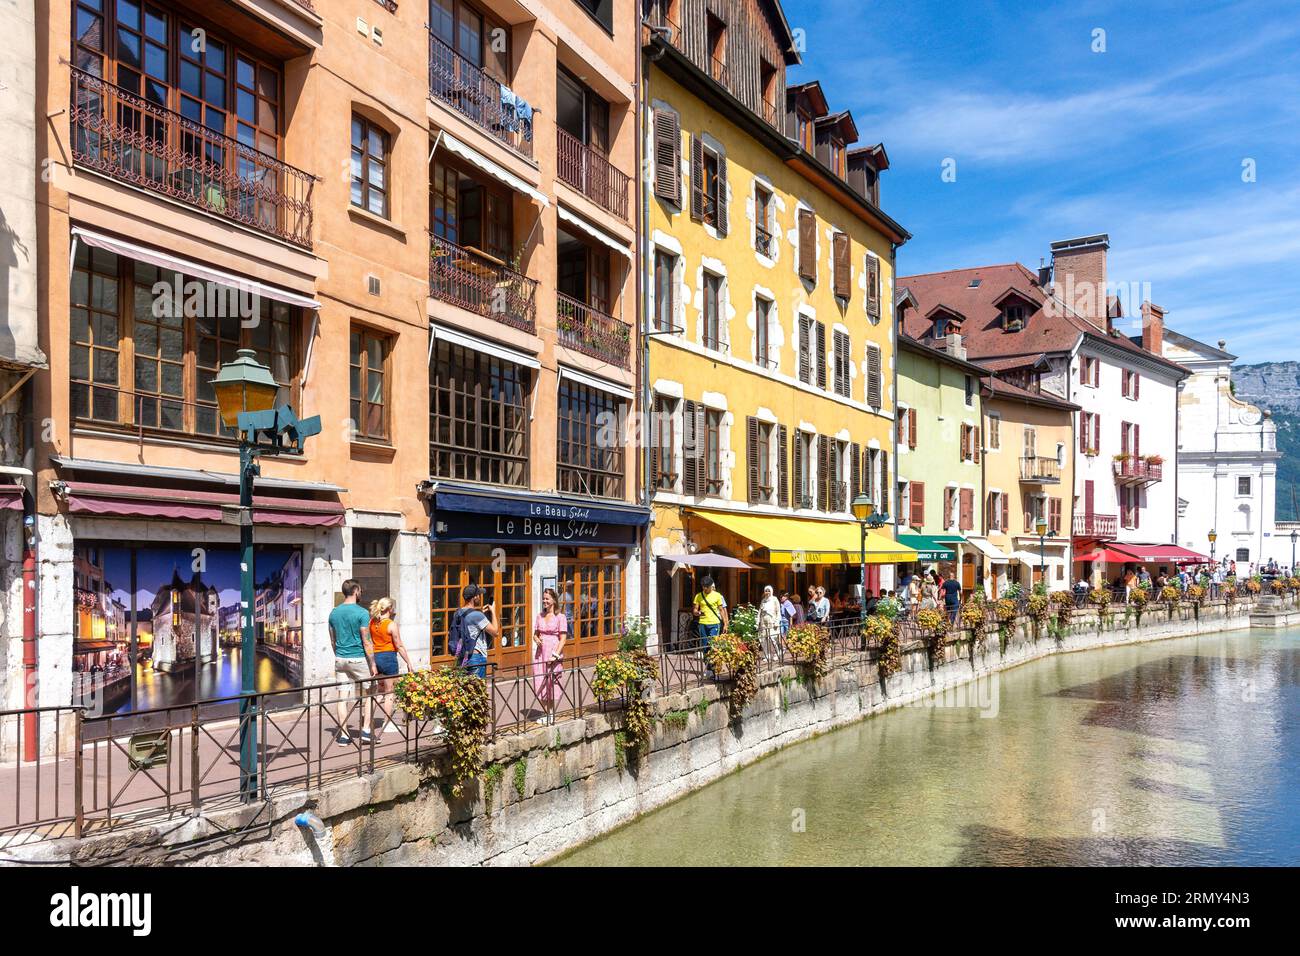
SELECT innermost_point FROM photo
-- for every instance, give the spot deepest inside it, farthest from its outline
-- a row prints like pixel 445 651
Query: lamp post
pixel 1213 536
pixel 863 509
pixel 241 387
pixel 1043 534
pixel 1294 535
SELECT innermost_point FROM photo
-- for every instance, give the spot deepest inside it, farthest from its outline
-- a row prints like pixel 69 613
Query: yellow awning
pixel 808 541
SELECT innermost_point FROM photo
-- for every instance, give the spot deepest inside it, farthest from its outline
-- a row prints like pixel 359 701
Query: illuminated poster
pixel 158 626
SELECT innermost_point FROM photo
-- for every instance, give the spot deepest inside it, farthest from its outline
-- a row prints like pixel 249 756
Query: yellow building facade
pixel 770 355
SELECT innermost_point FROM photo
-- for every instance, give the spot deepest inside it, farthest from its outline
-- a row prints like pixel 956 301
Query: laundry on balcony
pixel 516 113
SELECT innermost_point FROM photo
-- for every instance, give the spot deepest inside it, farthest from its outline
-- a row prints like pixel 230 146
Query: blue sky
pixel 1144 141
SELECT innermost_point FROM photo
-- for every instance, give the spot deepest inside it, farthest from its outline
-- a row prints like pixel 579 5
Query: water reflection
pixel 219 678
pixel 1180 752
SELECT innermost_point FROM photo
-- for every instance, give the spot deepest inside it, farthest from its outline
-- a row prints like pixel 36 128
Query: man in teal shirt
pixel 354 658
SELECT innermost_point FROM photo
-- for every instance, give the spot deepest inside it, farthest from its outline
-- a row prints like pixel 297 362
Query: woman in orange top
pixel 388 645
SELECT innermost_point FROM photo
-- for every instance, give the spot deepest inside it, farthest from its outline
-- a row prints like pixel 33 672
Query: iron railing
pixel 1137 470
pixel 91 773
pixel 486 102
pixel 475 281
pixel 132 140
pixel 591 173
pixel 592 332
pixel 1089 525
pixel 763 241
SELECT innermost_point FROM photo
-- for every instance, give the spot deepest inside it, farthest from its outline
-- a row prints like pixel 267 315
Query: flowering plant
pixel 973 616
pixel 1139 597
pixel 459 700
pixel 630 674
pixel 1196 594
pixel 1278 585
pixel 728 652
pixel 808 644
pixel 889 608
pixel 744 622
pixel 1004 609
pixel 931 620
pixel 1170 595
pixel 1099 596
pixel 1253 586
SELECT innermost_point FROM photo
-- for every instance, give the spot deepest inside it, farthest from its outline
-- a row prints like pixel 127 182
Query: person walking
pixel 769 624
pixel 952 598
pixel 710 611
pixel 791 614
pixel 471 626
pixel 354 660
pixel 386 640
pixel 550 631
pixel 930 592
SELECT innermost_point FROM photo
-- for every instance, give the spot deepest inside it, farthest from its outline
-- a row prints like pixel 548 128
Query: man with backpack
pixel 470 628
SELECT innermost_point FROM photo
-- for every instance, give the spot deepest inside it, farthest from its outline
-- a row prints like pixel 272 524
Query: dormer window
pixel 944 322
pixel 837 157
pixel 1013 317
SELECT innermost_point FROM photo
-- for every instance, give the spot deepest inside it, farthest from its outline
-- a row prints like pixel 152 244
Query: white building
pixel 1227 461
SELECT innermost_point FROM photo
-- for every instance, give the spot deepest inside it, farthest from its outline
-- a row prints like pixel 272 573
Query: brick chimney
pixel 1079 275
pixel 1153 328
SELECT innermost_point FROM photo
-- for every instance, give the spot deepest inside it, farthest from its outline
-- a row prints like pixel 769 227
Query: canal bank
pixel 553 788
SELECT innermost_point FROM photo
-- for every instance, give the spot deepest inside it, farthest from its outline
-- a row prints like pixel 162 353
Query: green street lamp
pixel 863 510
pixel 245 392
pixel 1040 525
pixel 1213 536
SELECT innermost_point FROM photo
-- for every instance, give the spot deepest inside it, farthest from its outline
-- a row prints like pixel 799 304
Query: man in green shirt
pixel 354 658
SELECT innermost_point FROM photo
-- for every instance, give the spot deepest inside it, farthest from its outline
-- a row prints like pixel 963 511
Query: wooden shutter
pixel 966 518
pixel 1006 513
pixel 1054 514
pixel 824 472
pixel 1137 385
pixel 751 456
pixel 840 265
pixel 807 244
pixel 1095 436
pixel 855 468
pixel 805 349
pixel 654 463
pixel 873 376
pixel 965 442
pixel 782 468
pixel 917 489
pixel 720 213
pixel 1137 439
pixel 668 146
pixel 819 354
pixel 800 491
pixel 885 485
pixel 1029 516
pixel 1083 433
pixel 911 428
pixel 873 287
pixel 1135 498
pixel 868 475
pixel 697 179
pixel 691 448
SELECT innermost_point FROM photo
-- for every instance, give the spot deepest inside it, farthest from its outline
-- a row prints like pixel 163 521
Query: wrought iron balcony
pixel 132 140
pixel 1095 526
pixel 592 332
pixel 1040 469
pixel 475 281
pixel 474 94
pixel 1137 471
pixel 587 171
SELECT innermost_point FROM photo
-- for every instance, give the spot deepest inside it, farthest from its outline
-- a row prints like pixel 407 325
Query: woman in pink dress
pixel 549 633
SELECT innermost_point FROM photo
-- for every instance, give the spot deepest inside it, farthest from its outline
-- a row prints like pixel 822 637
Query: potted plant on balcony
pixel 1122 457
pixel 1153 459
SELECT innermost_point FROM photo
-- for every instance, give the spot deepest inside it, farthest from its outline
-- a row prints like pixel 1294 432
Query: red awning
pixel 1149 553
pixel 1107 555
pixel 11 497
pixel 129 501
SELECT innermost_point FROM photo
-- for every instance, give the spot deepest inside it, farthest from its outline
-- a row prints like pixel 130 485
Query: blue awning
pixel 462 513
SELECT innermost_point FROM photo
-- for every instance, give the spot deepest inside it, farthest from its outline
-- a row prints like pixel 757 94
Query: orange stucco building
pixel 420 217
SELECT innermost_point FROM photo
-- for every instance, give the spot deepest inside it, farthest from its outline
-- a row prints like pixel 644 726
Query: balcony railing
pixel 128 138
pixel 763 241
pixel 839 492
pixel 587 171
pixel 1137 471
pixel 475 281
pixel 1038 468
pixel 592 332
pixel 1095 525
pixel 484 101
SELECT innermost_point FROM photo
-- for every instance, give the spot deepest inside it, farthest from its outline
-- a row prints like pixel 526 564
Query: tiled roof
pixel 1003 389
pixel 982 333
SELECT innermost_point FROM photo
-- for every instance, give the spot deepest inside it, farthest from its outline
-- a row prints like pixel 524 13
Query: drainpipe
pixel 643 368
pixel 892 491
pixel 31 696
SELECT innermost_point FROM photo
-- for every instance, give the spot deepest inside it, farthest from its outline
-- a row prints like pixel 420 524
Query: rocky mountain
pixel 1271 385
pixel 1276 386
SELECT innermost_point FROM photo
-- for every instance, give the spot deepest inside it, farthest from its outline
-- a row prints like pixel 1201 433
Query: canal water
pixel 1176 752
